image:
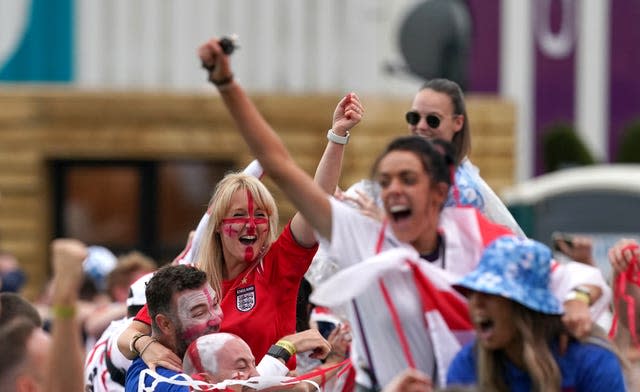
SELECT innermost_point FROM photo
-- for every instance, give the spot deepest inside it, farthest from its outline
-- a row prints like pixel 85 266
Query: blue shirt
pixel 133 375
pixel 585 367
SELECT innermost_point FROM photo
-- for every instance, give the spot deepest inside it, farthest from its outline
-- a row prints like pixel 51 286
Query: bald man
pixel 224 356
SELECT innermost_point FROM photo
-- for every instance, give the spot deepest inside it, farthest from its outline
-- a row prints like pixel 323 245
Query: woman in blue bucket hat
pixel 518 327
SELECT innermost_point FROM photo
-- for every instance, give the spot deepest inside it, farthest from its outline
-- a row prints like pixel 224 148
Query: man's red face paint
pixel 199 313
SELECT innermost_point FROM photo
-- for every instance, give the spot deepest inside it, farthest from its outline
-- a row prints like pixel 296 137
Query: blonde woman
pixel 519 329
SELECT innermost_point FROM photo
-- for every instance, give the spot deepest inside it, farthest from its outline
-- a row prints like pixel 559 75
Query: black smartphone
pixel 558 236
pixel 326 327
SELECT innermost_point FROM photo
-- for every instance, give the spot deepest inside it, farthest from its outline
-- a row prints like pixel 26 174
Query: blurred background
pixel 109 132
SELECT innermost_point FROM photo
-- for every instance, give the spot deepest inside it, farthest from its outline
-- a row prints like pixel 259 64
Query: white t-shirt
pixel 465 234
pixel 96 375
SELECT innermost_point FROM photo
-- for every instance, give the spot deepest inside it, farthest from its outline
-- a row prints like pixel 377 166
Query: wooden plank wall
pixel 41 124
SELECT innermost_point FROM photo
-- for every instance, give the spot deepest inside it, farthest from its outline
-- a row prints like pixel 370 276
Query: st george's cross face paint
pixel 245 228
pixel 199 313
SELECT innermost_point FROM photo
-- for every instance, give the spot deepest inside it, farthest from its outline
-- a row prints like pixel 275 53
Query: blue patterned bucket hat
pixel 517 269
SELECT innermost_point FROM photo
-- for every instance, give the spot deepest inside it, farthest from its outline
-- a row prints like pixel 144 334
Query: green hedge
pixel 629 148
pixel 563 148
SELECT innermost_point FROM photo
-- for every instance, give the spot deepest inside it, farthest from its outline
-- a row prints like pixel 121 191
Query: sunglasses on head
pixel 413 118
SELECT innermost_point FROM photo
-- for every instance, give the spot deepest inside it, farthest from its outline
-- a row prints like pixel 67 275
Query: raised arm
pixel 65 363
pixel 347 115
pixel 308 197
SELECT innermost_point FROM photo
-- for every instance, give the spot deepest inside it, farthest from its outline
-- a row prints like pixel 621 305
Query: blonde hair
pixel 210 257
pixel 535 330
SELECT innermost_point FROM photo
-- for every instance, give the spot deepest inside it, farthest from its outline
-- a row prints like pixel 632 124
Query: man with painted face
pixel 182 306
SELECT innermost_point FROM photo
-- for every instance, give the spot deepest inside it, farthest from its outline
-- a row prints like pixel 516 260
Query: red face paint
pixel 194 356
pixel 209 297
pixel 248 254
pixel 198 324
pixel 230 229
pixel 194 332
pixel 233 227
pixel 251 227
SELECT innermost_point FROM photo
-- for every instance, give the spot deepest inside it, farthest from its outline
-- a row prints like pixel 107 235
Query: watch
pixel 332 136
pixel 279 353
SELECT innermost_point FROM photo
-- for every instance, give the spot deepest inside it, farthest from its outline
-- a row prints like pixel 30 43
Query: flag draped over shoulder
pixel 445 311
pixel 466 233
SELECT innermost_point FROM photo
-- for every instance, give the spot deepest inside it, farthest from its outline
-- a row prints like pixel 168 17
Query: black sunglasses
pixel 413 118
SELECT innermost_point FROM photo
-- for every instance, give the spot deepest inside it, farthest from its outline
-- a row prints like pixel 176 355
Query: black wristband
pixel 279 353
pixel 134 340
pixel 223 81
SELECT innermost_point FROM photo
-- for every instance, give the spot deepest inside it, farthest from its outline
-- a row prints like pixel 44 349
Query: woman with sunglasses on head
pixel 254 271
pixel 518 327
pixel 413 174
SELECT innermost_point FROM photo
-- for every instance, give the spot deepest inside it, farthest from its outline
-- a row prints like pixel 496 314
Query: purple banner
pixel 555 42
pixel 484 64
pixel 624 98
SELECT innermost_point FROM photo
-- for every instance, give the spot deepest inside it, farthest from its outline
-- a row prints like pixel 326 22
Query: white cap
pixel 137 289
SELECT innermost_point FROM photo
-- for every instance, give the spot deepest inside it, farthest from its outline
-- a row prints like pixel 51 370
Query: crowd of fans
pixel 432 283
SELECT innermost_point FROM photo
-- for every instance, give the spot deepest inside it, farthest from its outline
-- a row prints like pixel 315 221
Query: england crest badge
pixel 246 298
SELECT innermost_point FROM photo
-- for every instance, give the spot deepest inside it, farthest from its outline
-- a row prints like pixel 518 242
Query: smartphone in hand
pixel 557 236
pixel 326 327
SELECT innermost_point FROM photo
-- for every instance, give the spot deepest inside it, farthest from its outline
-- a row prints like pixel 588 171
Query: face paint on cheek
pixel 194 332
pixel 216 312
pixel 230 229
pixel 251 226
pixel 194 327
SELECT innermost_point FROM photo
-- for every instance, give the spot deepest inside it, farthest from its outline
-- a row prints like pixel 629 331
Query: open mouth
pixel 483 323
pixel 248 239
pixel 484 326
pixel 399 212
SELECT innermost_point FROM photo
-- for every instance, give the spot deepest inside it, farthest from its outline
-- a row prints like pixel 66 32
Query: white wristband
pixel 337 138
